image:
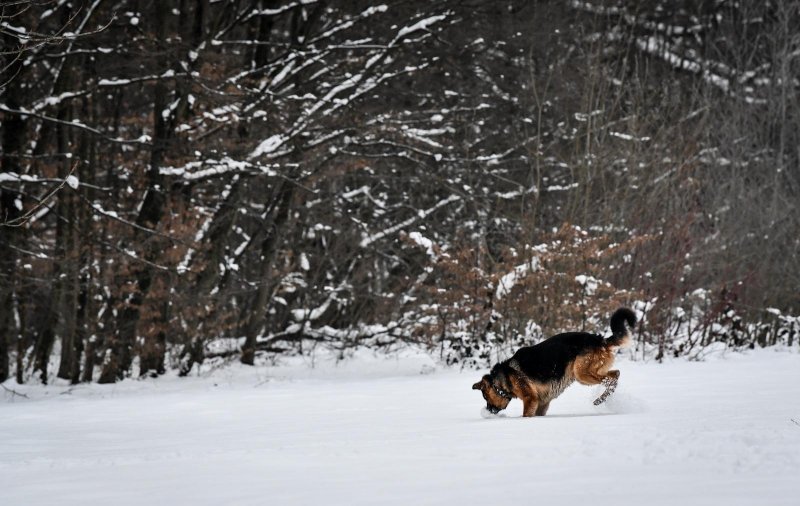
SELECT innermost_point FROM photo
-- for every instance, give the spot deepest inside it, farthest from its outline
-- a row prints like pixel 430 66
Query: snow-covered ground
pixel 394 431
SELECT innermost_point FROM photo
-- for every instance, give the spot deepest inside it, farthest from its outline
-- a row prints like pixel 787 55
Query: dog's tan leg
pixel 593 368
pixel 542 409
pixel 530 406
pixel 531 409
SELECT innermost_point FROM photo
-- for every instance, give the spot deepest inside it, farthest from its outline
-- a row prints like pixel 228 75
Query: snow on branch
pixel 348 23
pixel 183 267
pixel 366 241
pixel 420 25
pixel 72 37
pixel 380 334
pixel 97 209
pixel 360 83
pixel 668 43
pixel 143 140
pixel 41 208
pixel 102 83
pixel 274 11
pixel 508 281
pixel 204 169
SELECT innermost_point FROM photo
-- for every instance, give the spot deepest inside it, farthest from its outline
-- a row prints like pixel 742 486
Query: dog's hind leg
pixel 610 382
pixel 588 370
pixel 593 370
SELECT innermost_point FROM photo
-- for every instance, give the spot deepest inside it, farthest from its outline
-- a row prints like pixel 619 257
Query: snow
pixel 73 182
pixel 311 314
pixel 588 283
pixel 424 242
pixel 268 146
pixel 628 137
pixel 397 431
pixel 561 188
pixel 509 280
pixel 304 264
pixel 20 31
pixel 419 25
pixel 13 176
pixel 113 82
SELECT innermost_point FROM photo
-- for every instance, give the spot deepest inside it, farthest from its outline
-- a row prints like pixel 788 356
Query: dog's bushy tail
pixel 621 333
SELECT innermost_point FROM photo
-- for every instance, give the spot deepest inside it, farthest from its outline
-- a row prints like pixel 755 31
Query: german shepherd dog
pixel 538 374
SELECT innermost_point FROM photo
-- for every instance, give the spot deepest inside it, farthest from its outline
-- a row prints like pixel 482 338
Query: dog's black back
pixel 548 360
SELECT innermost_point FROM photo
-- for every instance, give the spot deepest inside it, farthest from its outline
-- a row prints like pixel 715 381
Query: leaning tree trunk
pixel 219 231
pixel 268 247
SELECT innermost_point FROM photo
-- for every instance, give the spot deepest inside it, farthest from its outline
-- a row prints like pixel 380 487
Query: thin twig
pixel 18 222
pixel 100 211
pixel 13 393
pixel 80 126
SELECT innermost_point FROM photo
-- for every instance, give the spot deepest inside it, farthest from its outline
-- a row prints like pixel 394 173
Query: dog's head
pixel 497 398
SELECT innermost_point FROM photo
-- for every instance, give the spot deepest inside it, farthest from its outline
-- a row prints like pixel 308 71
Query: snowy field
pixel 379 431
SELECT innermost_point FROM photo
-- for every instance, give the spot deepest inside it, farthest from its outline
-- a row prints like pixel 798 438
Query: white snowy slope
pixel 726 431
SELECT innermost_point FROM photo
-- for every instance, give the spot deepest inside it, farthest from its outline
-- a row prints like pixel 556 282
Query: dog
pixel 538 374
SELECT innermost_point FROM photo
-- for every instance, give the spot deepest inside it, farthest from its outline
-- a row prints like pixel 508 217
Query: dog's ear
pixel 477 386
pixel 499 379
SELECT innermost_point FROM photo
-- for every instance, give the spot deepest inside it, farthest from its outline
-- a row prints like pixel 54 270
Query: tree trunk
pixel 219 232
pixel 8 211
pixel 13 140
pixel 20 365
pixel 5 335
pixel 47 337
pixel 66 286
pixel 150 215
pixel 268 247
pixel 44 346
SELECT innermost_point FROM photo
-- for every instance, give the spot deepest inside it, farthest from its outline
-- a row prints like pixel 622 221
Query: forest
pixel 184 181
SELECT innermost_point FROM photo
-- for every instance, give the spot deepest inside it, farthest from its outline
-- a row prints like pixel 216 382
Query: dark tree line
pixel 183 180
